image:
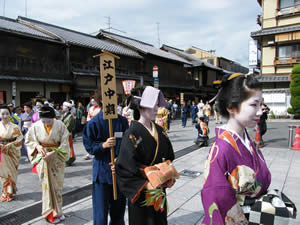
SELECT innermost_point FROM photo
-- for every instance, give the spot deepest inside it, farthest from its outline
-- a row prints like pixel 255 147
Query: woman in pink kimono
pixel 235 169
pixel 10 152
pixel 48 147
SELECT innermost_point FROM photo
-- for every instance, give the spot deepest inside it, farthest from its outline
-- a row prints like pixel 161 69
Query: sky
pixel 221 25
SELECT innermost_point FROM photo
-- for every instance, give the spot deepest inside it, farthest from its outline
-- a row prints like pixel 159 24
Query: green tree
pixel 295 91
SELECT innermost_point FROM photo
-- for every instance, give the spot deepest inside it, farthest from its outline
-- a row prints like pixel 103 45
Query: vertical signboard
pixel 108 86
pixel 253 55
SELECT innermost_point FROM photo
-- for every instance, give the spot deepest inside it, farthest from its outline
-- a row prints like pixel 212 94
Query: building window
pixel 211 61
pixel 288 3
pixel 289 51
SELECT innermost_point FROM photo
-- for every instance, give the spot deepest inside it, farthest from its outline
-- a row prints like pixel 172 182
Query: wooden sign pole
pixel 109 99
pixel 112 156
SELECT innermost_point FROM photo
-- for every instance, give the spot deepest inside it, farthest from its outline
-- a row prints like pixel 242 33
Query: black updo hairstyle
pixel 133 101
pixel 236 90
pixel 4 106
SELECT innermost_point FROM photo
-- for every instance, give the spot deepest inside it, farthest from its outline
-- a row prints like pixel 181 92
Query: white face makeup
pixel 47 121
pixel 149 113
pixel 93 102
pixel 65 108
pixel 4 114
pixel 38 105
pixel 250 111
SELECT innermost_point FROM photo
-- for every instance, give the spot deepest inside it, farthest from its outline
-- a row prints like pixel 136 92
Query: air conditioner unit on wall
pixel 271 43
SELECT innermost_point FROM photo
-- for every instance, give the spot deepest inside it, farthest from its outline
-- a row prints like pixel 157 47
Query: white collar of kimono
pixel 245 142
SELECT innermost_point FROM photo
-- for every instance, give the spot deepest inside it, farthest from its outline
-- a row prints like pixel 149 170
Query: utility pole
pixel 158 39
pixel 110 27
pixel 108 22
pixel 25 8
pixel 3 7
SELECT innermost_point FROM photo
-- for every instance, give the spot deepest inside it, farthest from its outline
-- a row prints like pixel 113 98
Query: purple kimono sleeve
pixel 217 195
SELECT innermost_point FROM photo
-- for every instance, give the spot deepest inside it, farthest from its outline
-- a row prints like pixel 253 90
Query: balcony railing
pixel 286 60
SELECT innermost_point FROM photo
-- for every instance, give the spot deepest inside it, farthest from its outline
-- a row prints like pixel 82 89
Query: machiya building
pixel 279 43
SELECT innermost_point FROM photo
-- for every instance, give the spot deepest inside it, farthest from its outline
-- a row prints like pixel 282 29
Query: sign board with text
pixel 108 86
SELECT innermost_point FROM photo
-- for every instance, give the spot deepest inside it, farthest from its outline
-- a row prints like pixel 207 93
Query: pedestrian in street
pixel 48 147
pixel 200 108
pixel 80 117
pixel 25 124
pixel 194 110
pixel 218 115
pixel 162 117
pixel 94 109
pixel 175 110
pixel 10 152
pixel 97 142
pixel 38 106
pixel 69 121
pixel 235 169
pixel 13 118
pixel 203 131
pixel 184 113
pixel 262 120
pixel 144 144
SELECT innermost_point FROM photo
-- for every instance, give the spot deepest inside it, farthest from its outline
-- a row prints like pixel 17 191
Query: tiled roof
pixel 10 25
pixel 142 46
pixel 276 30
pixel 82 39
pixel 194 60
pixel 275 78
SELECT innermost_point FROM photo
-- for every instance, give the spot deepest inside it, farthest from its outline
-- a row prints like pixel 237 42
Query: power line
pixel 3 7
pixel 25 8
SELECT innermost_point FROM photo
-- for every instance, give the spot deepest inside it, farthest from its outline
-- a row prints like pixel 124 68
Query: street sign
pixel 155 71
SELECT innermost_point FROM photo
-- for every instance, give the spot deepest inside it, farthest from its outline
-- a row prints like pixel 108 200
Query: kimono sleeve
pixel 129 177
pixel 90 137
pixel 218 196
pixel 64 140
pixel 19 137
pixel 31 142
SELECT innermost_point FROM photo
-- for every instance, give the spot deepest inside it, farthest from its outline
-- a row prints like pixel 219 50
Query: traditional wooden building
pixel 219 61
pixel 32 62
pixel 173 76
pixel 202 72
pixel 82 67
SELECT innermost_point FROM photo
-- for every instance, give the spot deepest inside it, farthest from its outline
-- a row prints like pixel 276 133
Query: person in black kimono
pixel 97 142
pixel 144 144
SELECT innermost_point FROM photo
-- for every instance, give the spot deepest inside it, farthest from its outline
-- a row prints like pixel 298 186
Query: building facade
pixel 221 62
pixel 279 43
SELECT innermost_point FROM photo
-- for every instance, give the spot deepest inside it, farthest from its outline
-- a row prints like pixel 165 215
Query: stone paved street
pixel 184 198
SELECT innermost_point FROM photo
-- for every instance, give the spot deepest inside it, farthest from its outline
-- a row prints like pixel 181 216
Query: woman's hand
pixel 41 150
pixel 149 186
pixel 110 142
pixel 169 183
pixel 49 155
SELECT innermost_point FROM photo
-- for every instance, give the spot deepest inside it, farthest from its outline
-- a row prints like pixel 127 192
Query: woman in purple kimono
pixel 235 169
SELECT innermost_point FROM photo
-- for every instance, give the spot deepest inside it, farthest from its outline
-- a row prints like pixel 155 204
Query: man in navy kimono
pixel 184 112
pixel 98 143
pixel 194 110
